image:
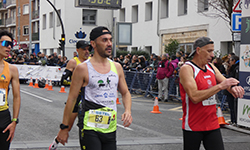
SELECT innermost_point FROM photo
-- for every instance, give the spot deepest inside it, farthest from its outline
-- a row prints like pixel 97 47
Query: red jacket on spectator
pixel 165 69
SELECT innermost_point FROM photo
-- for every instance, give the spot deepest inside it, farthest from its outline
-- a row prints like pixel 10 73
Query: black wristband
pixel 233 86
pixel 62 126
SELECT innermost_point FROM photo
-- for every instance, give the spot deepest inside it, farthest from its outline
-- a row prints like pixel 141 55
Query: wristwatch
pixel 62 126
pixel 16 120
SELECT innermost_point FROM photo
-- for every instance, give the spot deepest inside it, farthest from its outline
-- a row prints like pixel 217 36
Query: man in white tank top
pixel 99 126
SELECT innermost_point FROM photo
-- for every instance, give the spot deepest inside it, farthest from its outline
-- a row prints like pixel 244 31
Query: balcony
pixel 2 23
pixel 10 3
pixel 35 36
pixel 10 22
pixel 2 6
pixel 35 14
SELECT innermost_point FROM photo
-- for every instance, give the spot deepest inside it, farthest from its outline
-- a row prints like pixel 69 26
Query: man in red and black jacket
pixel 164 71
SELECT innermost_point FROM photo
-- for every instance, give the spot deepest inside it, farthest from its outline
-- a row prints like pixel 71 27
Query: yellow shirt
pixel 4 86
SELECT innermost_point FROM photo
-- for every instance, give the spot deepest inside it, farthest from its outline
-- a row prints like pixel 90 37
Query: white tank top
pixel 102 88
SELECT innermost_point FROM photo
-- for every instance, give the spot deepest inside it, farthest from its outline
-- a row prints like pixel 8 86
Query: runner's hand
pixel 11 127
pixel 127 119
pixel 62 136
pixel 237 91
pixel 228 83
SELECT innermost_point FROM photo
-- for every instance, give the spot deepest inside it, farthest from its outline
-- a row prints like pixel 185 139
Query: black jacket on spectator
pixel 234 73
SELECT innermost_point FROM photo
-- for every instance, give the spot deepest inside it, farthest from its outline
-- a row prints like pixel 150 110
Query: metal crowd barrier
pixel 146 83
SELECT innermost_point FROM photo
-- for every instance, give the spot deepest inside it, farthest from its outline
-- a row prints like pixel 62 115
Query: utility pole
pixel 63 34
pixel 30 27
pixel 18 28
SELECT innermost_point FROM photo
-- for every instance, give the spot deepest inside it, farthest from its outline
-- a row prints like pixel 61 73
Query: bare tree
pixel 224 9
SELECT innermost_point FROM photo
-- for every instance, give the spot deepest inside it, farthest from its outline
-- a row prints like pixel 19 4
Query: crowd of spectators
pixel 20 57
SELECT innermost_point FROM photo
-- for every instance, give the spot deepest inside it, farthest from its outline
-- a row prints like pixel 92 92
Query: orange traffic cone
pixel 156 107
pixel 36 84
pixel 117 101
pixel 62 90
pixel 46 84
pixel 221 118
pixel 31 82
pixel 50 86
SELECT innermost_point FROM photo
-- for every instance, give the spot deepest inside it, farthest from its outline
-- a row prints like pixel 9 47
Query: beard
pixel 104 52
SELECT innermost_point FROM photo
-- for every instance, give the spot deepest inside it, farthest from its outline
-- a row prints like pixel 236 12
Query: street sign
pixel 236 22
pixel 14 42
pixel 238 7
pixel 106 4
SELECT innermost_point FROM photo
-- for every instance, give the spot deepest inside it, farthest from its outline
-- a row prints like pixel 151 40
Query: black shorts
pixel 92 140
pixel 212 140
pixel 5 121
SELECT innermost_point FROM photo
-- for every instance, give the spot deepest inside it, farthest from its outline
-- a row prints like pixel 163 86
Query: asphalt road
pixel 42 111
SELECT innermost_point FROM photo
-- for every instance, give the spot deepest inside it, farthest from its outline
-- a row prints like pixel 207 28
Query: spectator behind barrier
pixel 13 59
pixel 218 64
pixel 164 71
pixel 174 61
pixel 140 64
pixel 19 59
pixel 126 64
pixel 32 60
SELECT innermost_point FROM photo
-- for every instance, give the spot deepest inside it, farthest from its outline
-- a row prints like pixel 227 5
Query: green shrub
pixel 172 47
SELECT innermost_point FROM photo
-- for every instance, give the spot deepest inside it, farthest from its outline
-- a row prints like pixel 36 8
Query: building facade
pixel 154 22
pixel 77 22
pixel 14 17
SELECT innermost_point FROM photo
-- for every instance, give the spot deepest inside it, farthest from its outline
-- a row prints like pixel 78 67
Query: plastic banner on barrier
pixel 35 71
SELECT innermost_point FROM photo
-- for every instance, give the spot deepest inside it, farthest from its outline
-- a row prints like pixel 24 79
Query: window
pixel 186 47
pixel 135 14
pixel 51 20
pixel 25 30
pixel 122 14
pixel 13 31
pixel 134 48
pixel 164 8
pixel 148 11
pixel 44 21
pixel 148 49
pixel 182 7
pixel 51 51
pixel 58 20
pixel 26 9
pixel 202 5
pixel 89 17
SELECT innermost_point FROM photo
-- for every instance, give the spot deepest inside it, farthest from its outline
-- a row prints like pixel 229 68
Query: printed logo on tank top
pixel 104 85
pixel 3 79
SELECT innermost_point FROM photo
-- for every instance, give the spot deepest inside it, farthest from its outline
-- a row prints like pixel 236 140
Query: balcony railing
pixel 35 36
pixel 10 3
pixel 35 14
pixel 11 21
pixel 2 6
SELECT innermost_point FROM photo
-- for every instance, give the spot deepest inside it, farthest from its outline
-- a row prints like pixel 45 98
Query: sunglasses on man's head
pixel 7 43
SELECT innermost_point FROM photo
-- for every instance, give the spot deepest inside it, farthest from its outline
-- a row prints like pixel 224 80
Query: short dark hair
pixel 232 54
pixel 6 33
pixel 234 57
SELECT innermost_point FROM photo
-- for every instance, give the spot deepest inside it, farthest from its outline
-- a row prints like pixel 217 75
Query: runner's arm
pixel 68 72
pixel 126 97
pixel 16 100
pixel 188 82
pixel 78 80
pixel 236 91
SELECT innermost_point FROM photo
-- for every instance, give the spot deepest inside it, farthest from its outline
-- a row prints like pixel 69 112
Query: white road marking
pixel 42 98
pixel 176 109
pixel 127 128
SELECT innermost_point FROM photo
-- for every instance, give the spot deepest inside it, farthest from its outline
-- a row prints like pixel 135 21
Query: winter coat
pixel 165 69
